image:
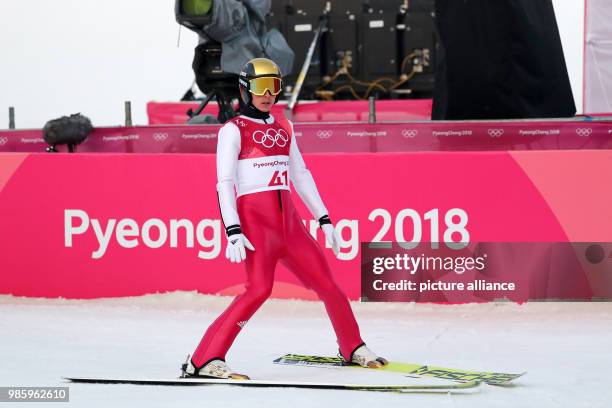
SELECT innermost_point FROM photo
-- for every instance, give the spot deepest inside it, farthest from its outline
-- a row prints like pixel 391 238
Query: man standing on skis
pixel 257 156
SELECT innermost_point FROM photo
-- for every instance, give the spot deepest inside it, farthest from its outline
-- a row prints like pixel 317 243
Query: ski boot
pixel 364 357
pixel 213 369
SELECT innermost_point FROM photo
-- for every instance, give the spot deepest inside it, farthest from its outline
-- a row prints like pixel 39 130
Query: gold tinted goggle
pixel 259 86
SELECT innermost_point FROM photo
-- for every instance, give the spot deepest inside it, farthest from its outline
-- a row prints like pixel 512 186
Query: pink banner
pixel 93 225
pixel 347 137
pixel 165 113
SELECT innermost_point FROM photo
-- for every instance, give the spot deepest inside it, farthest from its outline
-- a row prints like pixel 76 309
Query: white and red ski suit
pixel 259 159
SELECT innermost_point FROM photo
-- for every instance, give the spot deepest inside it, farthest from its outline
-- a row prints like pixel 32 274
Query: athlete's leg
pixel 221 334
pixel 305 259
pixel 259 265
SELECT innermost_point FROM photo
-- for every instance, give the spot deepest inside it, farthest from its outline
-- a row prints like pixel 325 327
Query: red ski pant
pixel 272 224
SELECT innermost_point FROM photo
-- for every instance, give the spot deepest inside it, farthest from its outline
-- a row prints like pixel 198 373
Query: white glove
pixel 235 250
pixel 332 237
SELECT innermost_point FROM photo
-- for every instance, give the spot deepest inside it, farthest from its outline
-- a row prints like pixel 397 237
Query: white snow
pixel 565 347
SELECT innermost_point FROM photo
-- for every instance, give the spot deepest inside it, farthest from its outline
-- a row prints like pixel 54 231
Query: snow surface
pixel 565 347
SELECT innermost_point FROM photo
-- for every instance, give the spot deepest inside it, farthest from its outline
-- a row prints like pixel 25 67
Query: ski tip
pixel 408 369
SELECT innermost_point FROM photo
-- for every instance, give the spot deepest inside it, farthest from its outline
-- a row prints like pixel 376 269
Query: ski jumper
pixel 259 159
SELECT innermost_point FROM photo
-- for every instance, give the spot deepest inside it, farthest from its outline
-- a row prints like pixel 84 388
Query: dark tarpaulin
pixel 239 25
pixel 501 59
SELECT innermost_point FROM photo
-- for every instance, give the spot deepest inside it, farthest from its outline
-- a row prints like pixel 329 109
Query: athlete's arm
pixel 228 149
pixel 303 182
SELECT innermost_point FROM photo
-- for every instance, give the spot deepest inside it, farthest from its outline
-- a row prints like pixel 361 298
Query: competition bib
pixel 263 163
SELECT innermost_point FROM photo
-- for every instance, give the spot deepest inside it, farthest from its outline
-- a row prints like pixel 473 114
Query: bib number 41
pixel 279 179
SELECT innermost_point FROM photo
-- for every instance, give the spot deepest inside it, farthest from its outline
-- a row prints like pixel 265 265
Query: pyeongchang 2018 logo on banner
pixel 160 137
pixel 3 141
pixel 410 133
pixel 152 233
pixel 584 132
pixel 324 134
pixel 35 140
pixel 495 133
pixel 120 138
pixel 188 136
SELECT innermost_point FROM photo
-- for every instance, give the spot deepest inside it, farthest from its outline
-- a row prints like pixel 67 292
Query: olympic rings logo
pixel 325 134
pixel 3 141
pixel 410 133
pixel 584 132
pixel 160 137
pixel 271 137
pixel 496 132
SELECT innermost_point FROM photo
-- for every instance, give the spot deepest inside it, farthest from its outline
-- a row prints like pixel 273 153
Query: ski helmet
pixel 258 76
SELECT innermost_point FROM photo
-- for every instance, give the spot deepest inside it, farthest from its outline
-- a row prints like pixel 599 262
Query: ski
pixel 400 388
pixel 492 378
